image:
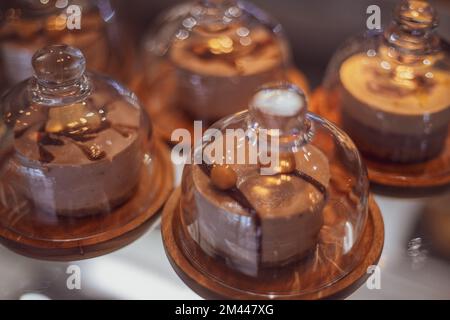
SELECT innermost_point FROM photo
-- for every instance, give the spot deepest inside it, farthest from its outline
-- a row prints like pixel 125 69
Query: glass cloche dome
pixel 28 25
pixel 275 200
pixel 76 157
pixel 206 57
pixel 390 90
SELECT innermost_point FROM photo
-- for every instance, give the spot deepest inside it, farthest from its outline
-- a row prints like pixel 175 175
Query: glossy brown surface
pixel 431 173
pixel 62 238
pixel 370 248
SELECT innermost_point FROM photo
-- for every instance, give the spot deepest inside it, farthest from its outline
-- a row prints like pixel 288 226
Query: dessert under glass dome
pixel 274 204
pixel 390 92
pixel 80 170
pixel 203 60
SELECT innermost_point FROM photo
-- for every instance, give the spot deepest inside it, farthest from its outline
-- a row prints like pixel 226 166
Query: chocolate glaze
pixel 44 155
pixel 317 184
pixel 47 139
pixel 230 59
pixel 19 133
pixel 383 88
pixel 75 137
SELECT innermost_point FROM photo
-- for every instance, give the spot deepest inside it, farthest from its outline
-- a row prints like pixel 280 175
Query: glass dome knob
pixel 217 3
pixel 280 107
pixel 214 15
pixel 411 34
pixel 416 14
pixel 218 6
pixel 58 65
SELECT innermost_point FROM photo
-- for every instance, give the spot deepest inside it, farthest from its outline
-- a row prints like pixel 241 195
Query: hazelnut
pixel 223 177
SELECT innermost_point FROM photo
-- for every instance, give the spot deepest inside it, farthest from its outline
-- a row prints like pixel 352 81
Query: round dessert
pixel 390 89
pixel 264 212
pixel 77 146
pixel 262 221
pixel 224 65
pixel 216 54
pixel 68 171
pixel 273 204
pixel 391 122
pixel 81 173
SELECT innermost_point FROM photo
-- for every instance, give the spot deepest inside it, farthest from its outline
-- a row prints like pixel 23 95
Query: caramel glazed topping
pixel 222 176
pixel 77 137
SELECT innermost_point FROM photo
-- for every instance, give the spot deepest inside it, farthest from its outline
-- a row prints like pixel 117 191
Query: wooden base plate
pixel 166 118
pixel 51 237
pixel 369 248
pixel 433 173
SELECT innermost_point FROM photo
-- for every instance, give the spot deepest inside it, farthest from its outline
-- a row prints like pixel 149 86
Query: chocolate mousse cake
pixel 74 142
pixel 77 160
pixel 217 72
pixel 263 213
pixel 394 88
pixel 391 122
pixel 255 221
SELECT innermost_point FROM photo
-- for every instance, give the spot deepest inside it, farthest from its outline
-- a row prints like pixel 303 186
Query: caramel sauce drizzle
pixel 422 84
pixel 76 137
pixel 204 53
pixel 19 133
